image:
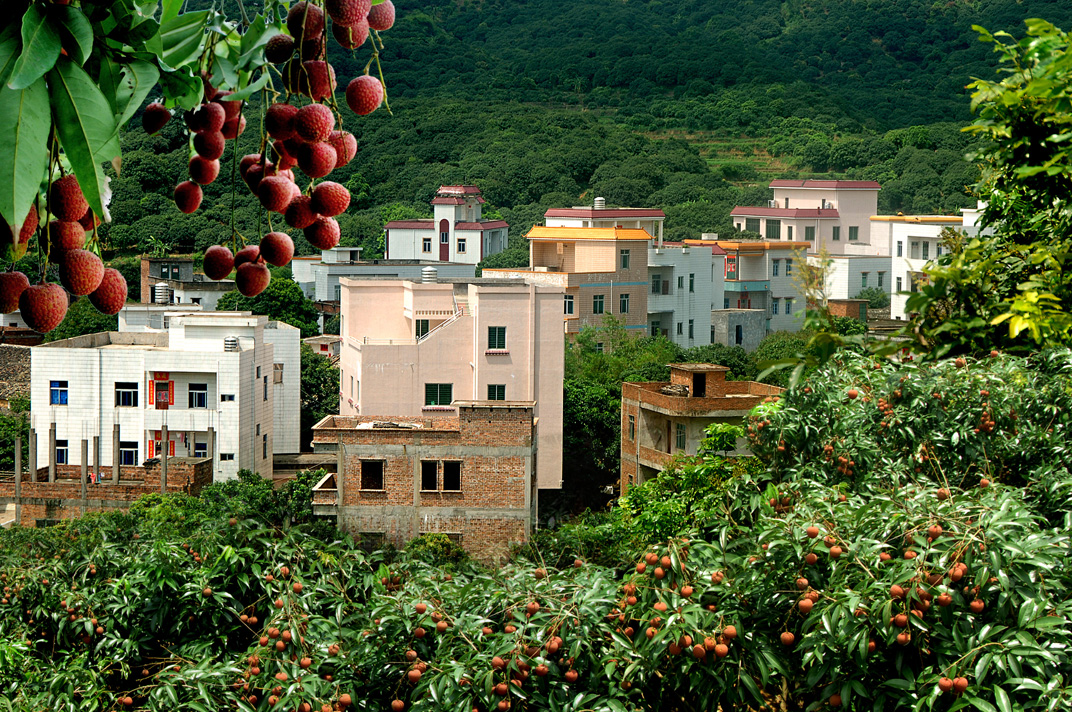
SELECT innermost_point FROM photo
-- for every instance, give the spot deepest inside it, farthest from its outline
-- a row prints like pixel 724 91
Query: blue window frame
pixel 57 393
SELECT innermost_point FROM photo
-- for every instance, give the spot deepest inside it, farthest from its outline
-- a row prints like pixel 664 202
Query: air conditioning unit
pixel 772 203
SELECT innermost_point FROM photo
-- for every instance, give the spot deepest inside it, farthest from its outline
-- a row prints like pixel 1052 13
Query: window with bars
pixel 751 224
pixel 774 229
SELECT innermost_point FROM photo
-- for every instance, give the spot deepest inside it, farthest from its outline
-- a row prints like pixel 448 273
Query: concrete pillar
pixel 18 474
pixel 115 454
pixel 52 452
pixel 96 457
pixel 163 458
pixel 33 455
pixel 340 475
pixel 85 467
pixel 211 449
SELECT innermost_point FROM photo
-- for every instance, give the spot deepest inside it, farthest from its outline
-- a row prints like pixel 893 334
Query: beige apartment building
pixel 415 348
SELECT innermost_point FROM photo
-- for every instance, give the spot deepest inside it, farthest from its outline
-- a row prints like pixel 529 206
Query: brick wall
pixel 851 308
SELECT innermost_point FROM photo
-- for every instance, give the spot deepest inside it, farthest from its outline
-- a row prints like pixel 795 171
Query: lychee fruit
pixel 945 684
pixel 203 171
pixel 274 193
pixel 233 128
pixel 209 144
pixel 353 36
pixel 364 94
pixel 279 48
pixel 317 159
pixel 231 108
pixel 300 213
pixel 279 120
pixel 324 233
pixel 43 306
pixel 314 123
pixel 253 176
pixel 960 684
pixel 218 262
pixel 16 240
pixel 188 196
pixel 206 83
pixel 64 235
pixel 88 221
pixel 347 12
pixel 155 117
pixel 345 145
pixel 249 253
pixel 305 21
pixel 330 199
pixel 282 156
pixel 277 248
pixel 12 285
pixel 382 17
pixel 788 638
pixel 65 199
pixel 111 295
pixel 248 160
pixel 316 79
pixel 206 118
pixel 81 272
pixel 312 49
pixel 252 278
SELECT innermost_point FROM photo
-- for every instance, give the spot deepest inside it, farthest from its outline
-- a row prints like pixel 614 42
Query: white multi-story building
pixel 682 292
pixel 846 275
pixel 319 279
pixel 912 241
pixel 226 385
pixel 599 215
pixel 457 232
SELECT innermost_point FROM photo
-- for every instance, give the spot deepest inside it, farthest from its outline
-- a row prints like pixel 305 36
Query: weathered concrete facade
pixel 738 327
pixel 472 477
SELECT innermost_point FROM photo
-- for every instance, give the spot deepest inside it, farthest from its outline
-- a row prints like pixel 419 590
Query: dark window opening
pixel 452 476
pixel 429 475
pixel 372 474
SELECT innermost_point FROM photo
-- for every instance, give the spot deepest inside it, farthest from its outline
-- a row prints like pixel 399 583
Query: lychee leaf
pixel 136 81
pixel 40 49
pixel 24 122
pixel 73 23
pixel 85 126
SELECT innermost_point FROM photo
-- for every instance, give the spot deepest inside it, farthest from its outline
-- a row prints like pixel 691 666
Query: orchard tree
pixel 73 75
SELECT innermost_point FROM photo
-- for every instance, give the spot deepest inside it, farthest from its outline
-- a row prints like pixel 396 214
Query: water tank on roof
pixel 430 275
pixel 230 343
pixel 161 293
pixel 600 204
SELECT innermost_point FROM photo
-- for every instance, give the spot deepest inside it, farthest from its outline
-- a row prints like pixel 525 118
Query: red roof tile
pixel 836 184
pixel 716 249
pixel 458 190
pixel 482 225
pixel 409 225
pixel 797 213
pixel 605 213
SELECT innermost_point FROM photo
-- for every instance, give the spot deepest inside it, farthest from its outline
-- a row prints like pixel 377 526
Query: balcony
pixel 747 285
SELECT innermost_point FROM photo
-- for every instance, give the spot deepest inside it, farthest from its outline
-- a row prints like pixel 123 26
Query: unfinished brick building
pixel 471 477
pixel 660 419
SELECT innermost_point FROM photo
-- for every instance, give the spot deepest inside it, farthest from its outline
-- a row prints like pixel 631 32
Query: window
pixel 774 267
pixel 788 267
pixel 452 476
pixel 57 392
pixel 837 233
pixel 169 271
pixel 692 330
pixel 863 280
pixel 597 304
pixel 258 371
pixel 789 232
pixel 199 395
pixel 438 393
pixel 774 229
pixel 937 250
pixel 900 248
pixel 881 279
pixel 351 386
pixel 128 453
pixel 426 244
pixel 61 452
pixel 195 300
pixel 623 303
pixel 809 234
pixel 497 337
pixel 681 282
pixel 751 224
pixel 421 328
pixel 738 335
pixel 926 250
pixel 227 397
pixel 200 449
pixel 429 475
pixel 624 255
pixel 126 395
pixel 266 388
pixel 567 304
pixel 338 292
pixel 654 328
pixel 680 328
pixel 731 267
pixel 632 427
pixel 854 232
pixel 496 391
pixel 258 428
pixel 461 245
pixel 725 302
pixel 226 456
pixel 788 306
pixel 679 439
pixel 444 238
pixel 372 474
pixel 913 252
pixel 900 284
pixel 692 282
pixel 656 284
pixel 774 307
pixel 599 347
pixel 264 446
pixel 277 373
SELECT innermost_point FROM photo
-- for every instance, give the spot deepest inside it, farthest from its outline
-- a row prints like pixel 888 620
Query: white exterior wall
pixel 208 296
pixel 654 226
pixel 906 237
pixel 286 342
pixel 844 278
pixel 682 304
pixel 327 276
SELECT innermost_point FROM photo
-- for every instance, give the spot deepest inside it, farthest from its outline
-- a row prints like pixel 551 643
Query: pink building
pixel 830 215
pixel 414 348
pixel 457 233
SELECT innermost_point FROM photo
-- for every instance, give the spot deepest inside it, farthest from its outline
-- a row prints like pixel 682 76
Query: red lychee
pixel 188 196
pixel 81 272
pixel 249 253
pixel 231 108
pixel 312 49
pixel 218 262
pixel 206 83
pixel 364 94
pixel 347 12
pixel 279 120
pixel 16 240
pixel 111 295
pixel 274 193
pixel 316 79
pixel 253 176
pixel 382 17
pixel 63 236
pixel 317 159
pixel 12 285
pixel 233 128
pixel 324 233
pixel 206 118
pixel 314 123
pixel 155 117
pixel 300 213
pixel 345 145
pixel 65 199
pixel 353 36
pixel 248 160
pixel 203 171
pixel 209 144
pixel 305 20
pixel 252 278
pixel 279 48
pixel 88 221
pixel 282 156
pixel 43 306
pixel 277 248
pixel 330 199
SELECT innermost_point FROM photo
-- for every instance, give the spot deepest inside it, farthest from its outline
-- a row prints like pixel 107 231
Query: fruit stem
pixel 379 69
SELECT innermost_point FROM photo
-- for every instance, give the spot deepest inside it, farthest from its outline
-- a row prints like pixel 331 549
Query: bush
pixel 436 549
pixel 876 298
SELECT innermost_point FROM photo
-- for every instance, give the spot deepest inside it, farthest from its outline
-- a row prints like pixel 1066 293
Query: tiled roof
pixel 540 232
pixel 716 249
pixel 836 184
pixel 410 225
pixel 458 190
pixel 754 245
pixel 604 213
pixel 796 213
pixel 482 225
pixel 443 200
pixel 14 371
